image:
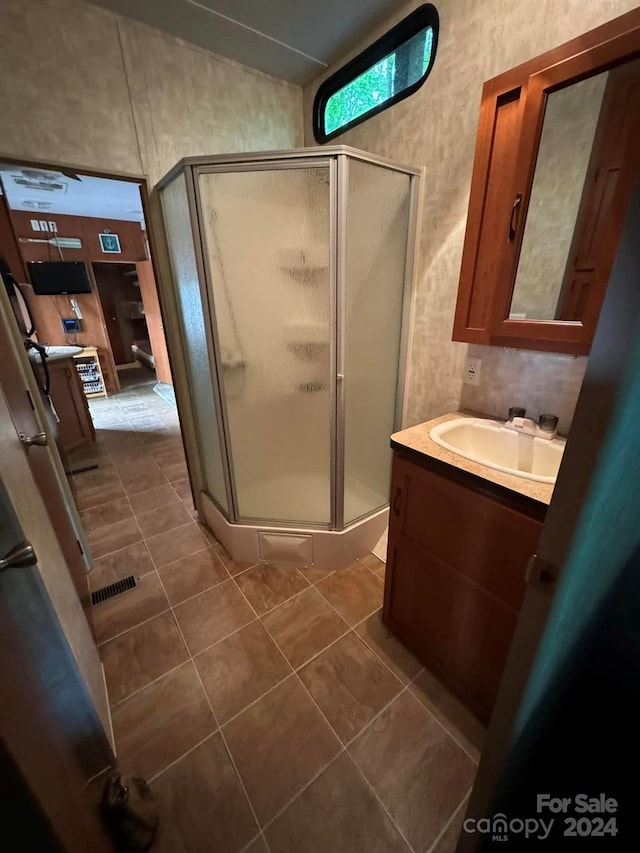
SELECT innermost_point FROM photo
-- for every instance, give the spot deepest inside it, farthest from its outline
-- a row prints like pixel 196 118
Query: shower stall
pixel 292 286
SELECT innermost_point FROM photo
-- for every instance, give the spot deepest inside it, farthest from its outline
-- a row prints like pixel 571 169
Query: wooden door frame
pixel 169 308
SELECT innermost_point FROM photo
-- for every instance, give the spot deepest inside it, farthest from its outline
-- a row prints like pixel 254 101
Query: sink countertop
pixel 417 438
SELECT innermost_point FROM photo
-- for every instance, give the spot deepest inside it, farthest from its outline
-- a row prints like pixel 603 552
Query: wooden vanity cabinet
pixel 455 577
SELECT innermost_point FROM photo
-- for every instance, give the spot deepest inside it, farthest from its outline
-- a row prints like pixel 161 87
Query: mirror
pixel 564 187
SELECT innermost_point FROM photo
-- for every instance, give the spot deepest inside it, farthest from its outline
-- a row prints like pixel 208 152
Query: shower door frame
pixel 336 159
pixel 232 166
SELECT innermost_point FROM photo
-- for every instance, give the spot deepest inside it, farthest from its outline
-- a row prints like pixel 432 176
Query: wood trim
pixel 153 316
pixel 589 62
pixel 484 266
pixel 509 498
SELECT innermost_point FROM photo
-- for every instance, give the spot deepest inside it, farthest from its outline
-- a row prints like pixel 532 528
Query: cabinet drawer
pixel 461 632
pixel 482 538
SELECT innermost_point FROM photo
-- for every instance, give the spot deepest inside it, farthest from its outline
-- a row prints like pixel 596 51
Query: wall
pixel 47 310
pixel 436 128
pixel 86 87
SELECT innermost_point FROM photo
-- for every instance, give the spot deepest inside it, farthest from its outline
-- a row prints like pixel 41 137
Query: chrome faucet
pixel 547 426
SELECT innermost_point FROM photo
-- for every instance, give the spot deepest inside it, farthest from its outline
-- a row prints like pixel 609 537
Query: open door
pixel 149 293
pixel 565 722
pixel 52 741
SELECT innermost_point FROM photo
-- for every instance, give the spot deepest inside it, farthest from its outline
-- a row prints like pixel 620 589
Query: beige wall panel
pixel 188 101
pixel 83 86
pixel 63 91
pixel 436 128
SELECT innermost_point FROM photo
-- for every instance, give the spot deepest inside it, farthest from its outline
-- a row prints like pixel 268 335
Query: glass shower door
pixel 266 235
pixel 377 225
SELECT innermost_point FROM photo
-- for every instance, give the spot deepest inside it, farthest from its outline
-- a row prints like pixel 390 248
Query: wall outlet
pixel 472 371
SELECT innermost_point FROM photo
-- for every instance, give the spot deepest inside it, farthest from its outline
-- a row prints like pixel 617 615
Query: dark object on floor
pixel 81 470
pixel 113 589
pixel 130 813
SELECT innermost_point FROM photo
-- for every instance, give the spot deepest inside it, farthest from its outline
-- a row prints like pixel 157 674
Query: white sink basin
pixel 491 444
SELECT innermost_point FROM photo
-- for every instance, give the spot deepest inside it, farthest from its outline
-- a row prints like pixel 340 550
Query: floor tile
pixel 388 647
pixel 448 841
pixel 183 488
pixel 257 846
pixel 304 626
pixel 374 565
pixel 132 560
pixel 314 573
pixel 175 544
pixel 97 495
pixel 169 458
pixel 144 481
pixel 102 476
pixel 159 496
pixel 266 586
pixel 234 567
pixel 129 609
pixel 141 655
pixel 156 726
pixel 337 813
pixel 202 805
pixel 163 519
pixel 212 616
pixel 354 592
pixel 417 770
pixel 279 744
pixel 105 514
pixel 175 473
pixel 445 707
pixel 350 685
pixel 105 540
pixel 192 575
pixel 240 669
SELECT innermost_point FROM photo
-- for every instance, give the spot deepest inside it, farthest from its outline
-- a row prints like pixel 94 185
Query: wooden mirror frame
pixel 510 125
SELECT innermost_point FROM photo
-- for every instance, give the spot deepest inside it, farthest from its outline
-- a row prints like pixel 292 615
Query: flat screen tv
pixel 51 277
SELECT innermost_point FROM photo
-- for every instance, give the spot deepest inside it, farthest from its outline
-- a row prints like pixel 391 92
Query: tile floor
pixel 267 705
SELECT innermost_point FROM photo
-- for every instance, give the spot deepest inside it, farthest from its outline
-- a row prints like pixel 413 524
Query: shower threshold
pixel 321 548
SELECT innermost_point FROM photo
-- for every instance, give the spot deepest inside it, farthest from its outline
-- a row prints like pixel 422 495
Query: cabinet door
pixel 492 209
pixel 512 115
pixel 455 578
pixel 75 427
pixel 459 630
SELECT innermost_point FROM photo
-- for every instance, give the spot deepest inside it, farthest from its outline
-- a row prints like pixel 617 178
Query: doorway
pixel 129 302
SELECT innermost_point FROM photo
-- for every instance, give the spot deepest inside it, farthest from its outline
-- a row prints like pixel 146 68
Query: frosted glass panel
pixel 267 241
pixel 377 223
pixel 180 239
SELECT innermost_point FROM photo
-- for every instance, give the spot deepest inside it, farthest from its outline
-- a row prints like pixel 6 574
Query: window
pixel 389 70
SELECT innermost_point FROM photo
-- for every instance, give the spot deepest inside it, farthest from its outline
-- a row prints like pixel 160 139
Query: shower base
pixel 326 549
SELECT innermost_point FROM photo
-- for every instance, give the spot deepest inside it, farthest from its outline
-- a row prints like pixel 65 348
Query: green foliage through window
pixel 389 70
pixel 388 77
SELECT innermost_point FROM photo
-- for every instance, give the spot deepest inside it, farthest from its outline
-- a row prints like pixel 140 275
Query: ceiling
pixel 291 39
pixel 43 192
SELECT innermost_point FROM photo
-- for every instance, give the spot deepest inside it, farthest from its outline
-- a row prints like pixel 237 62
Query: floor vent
pixel 117 588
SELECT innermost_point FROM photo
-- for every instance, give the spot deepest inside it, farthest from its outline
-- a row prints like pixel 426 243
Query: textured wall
pixel 82 86
pixel 436 128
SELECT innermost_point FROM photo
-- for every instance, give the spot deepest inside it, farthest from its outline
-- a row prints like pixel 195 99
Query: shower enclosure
pixel 291 287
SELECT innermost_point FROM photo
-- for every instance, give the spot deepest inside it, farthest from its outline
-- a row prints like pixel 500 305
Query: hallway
pixel 267 705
